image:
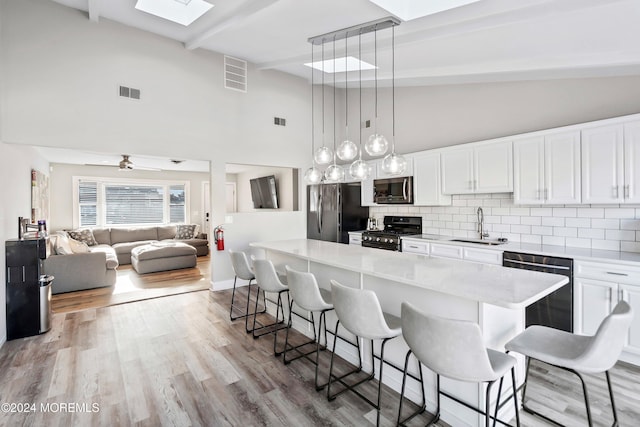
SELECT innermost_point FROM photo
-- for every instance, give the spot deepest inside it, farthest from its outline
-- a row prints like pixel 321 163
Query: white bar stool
pixel 576 353
pixel 268 281
pixel 242 270
pixel 453 349
pixel 306 294
pixel 360 313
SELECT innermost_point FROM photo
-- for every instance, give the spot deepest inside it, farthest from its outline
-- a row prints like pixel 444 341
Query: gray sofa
pixel 97 268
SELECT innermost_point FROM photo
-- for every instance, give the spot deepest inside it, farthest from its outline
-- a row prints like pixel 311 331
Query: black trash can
pixel 45 302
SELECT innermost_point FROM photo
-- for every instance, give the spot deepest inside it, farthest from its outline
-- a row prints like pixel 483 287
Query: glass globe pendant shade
pixel 359 170
pixel 323 155
pixel 313 175
pixel 334 173
pixel 348 150
pixel 394 164
pixel 376 145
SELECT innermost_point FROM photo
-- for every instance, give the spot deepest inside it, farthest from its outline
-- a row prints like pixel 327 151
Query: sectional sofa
pixel 97 267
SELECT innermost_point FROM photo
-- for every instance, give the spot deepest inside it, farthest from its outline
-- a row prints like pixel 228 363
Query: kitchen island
pixel 495 297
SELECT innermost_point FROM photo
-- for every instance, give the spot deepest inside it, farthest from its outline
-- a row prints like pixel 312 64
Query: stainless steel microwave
pixel 392 191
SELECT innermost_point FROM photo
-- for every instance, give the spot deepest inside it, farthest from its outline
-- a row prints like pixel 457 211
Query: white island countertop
pixel 491 284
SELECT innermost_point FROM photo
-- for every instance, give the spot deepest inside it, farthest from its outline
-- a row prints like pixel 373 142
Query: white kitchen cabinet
pixel 446 251
pixel 407 172
pixel 482 168
pixel 547 169
pixel 366 188
pixel 415 247
pixel 355 238
pixel 483 256
pixel 427 190
pixel 598 287
pixel 611 164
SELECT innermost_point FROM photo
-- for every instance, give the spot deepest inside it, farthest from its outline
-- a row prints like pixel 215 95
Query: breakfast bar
pixel 492 296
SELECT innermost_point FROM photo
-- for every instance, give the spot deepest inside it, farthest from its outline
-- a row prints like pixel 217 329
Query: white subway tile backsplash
pixel 609 227
pixel 553 221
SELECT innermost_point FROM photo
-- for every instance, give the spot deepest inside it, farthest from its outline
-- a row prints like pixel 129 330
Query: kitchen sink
pixel 480 241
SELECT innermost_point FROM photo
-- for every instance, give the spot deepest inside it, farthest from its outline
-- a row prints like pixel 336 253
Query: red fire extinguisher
pixel 218 234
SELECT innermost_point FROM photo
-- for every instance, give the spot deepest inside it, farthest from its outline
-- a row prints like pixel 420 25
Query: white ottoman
pixel 163 256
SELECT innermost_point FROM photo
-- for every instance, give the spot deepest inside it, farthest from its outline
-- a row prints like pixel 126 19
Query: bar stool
pixel 306 294
pixel 360 313
pixel 242 270
pixel 453 349
pixel 576 353
pixel 268 281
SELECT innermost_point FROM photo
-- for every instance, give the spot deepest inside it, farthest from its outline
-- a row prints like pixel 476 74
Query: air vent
pixel 129 92
pixel 235 74
pixel 279 121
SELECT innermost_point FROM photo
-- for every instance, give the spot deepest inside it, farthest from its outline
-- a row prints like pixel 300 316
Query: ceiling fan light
pixel 313 175
pixel 394 164
pixel 376 145
pixel 348 150
pixel 359 170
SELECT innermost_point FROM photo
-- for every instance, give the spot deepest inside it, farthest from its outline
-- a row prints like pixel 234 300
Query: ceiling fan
pixel 126 165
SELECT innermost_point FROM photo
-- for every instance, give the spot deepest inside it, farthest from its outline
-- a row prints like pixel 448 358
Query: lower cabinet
pixel 594 298
pixel 355 239
pixel 437 250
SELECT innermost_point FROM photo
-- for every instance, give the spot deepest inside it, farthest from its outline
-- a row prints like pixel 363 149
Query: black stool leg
pixel 613 403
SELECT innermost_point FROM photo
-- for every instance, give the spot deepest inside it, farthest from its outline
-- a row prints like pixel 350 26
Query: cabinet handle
pixel 617 274
pixel 615 191
pixel 626 191
pixel 546 194
pixel 610 295
pixel 620 295
pixel 413 247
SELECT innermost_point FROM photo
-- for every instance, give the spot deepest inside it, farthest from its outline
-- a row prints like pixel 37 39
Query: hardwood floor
pixel 131 286
pixel 180 361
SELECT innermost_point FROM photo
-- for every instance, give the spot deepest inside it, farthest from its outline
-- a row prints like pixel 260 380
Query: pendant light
pixel 323 155
pixel 348 150
pixel 377 144
pixel 393 164
pixel 360 169
pixel 334 173
pixel 313 175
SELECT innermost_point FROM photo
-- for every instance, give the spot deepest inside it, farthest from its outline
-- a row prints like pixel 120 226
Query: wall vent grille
pixel 129 92
pixel 235 74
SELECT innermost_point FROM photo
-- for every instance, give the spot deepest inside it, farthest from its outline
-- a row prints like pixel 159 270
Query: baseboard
pixel 222 285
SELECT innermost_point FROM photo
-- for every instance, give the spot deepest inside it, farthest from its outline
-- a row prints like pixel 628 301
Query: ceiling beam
pixel 244 11
pixel 93 6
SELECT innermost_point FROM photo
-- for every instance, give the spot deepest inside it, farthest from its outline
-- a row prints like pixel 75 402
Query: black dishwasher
pixel 556 309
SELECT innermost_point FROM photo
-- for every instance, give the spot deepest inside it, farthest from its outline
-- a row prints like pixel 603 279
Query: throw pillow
pixel 85 236
pixel 62 244
pixel 78 247
pixel 185 231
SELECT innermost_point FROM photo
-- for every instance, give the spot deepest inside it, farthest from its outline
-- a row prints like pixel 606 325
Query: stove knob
pixel 378 239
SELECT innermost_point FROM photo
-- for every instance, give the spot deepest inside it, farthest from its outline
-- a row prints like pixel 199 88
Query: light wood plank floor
pixel 178 360
pixel 131 286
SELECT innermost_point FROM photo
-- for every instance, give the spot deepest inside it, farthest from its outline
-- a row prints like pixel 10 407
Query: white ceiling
pixel 490 40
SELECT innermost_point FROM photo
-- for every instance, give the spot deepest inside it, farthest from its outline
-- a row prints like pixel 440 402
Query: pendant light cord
pixel 360 83
pixel 393 89
pixel 313 129
pixel 334 100
pixel 375 68
pixel 322 93
pixel 346 90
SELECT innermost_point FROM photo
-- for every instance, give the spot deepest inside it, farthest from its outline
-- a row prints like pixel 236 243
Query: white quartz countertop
pixel 620 257
pixel 491 284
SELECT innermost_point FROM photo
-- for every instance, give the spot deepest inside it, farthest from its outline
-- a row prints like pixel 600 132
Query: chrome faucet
pixel 483 234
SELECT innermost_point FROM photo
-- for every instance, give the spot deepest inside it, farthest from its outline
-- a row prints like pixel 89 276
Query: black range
pixel 394 227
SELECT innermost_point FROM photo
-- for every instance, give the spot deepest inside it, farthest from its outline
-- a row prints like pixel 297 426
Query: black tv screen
pixel 264 192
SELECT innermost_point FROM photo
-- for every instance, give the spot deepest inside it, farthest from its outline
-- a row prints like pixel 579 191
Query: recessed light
pixel 341 65
pixel 412 9
pixel 181 11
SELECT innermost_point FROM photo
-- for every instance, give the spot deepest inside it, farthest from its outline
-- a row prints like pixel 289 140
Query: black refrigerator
pixel 333 210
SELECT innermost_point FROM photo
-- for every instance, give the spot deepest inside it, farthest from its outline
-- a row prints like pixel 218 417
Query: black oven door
pixel 393 190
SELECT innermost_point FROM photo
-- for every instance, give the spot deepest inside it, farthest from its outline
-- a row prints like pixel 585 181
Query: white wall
pixel 61 184
pixel 61 74
pixel 16 163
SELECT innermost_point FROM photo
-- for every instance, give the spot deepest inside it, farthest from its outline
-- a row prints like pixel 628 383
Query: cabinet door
pixel 593 301
pixel 562 168
pixel 631 294
pixel 632 162
pixel 483 256
pixel 528 171
pixel 426 181
pixel 445 251
pixel 602 165
pixel 415 247
pixel 493 166
pixel 366 188
pixel 457 171
pixel 355 239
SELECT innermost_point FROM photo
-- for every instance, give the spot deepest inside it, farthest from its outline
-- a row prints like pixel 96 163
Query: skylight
pixel 412 9
pixel 181 11
pixel 350 63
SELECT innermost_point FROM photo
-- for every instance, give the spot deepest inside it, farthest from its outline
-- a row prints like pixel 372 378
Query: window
pixel 101 202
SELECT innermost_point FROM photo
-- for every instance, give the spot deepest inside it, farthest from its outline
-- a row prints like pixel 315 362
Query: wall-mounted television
pixel 264 192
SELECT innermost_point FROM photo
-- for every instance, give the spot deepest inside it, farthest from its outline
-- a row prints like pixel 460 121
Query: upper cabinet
pixel 426 181
pixel 382 174
pixel 547 169
pixel 611 164
pixel 366 188
pixel 483 168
